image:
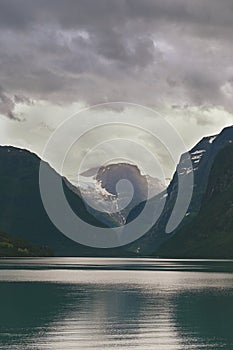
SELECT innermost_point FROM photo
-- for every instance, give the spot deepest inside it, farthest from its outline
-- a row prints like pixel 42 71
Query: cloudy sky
pixel 60 56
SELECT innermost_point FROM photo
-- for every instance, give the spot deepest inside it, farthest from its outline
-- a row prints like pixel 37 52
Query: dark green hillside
pixel 13 247
pixel 210 234
pixel 22 214
pixel 202 156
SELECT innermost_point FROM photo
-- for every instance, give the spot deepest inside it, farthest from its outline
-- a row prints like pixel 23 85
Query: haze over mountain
pixel 22 213
pixel 58 57
pixel 109 175
pixel 117 188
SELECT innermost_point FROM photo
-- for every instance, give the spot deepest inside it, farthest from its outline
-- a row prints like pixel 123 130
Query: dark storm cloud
pixel 6 105
pixel 144 51
pixel 109 13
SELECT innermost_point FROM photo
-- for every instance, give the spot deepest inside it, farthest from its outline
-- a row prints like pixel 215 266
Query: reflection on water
pixel 93 304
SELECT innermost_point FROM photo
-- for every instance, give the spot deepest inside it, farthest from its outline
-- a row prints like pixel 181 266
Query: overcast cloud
pixel 173 55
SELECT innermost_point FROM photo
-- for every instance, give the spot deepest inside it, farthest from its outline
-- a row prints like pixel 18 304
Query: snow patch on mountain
pixel 211 140
pixel 97 187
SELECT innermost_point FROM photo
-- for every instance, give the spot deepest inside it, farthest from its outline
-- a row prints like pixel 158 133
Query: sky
pixel 60 58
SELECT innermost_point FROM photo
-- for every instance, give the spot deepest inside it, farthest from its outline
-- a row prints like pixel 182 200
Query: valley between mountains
pixel 206 230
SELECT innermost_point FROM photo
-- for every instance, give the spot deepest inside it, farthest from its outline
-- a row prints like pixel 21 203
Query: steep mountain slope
pixel 202 157
pixel 22 213
pixel 210 233
pixel 144 185
pixel 21 210
pixel 100 187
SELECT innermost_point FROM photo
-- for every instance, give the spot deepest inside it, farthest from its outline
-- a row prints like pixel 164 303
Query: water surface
pixel 115 304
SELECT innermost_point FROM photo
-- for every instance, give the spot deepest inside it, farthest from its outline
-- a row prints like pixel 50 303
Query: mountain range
pixel 22 214
pixel 210 233
pixel 202 157
pixel 100 188
pixel 205 230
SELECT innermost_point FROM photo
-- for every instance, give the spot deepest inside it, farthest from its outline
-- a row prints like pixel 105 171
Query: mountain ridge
pixel 21 206
pixel 22 214
pixel 210 233
pixel 156 236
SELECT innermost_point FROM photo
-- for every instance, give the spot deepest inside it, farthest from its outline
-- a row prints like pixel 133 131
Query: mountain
pixel 144 185
pixel 22 214
pixel 210 233
pixel 104 190
pixel 11 247
pixel 202 157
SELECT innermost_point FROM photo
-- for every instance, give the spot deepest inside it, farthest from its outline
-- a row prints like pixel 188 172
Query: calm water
pixel 115 304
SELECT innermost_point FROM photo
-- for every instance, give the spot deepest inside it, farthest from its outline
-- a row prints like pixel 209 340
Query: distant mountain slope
pixel 202 157
pixel 13 247
pixel 21 209
pixel 210 233
pixel 144 185
pixel 22 213
pixel 100 187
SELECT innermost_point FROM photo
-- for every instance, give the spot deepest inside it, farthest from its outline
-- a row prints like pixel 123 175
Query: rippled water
pixel 115 304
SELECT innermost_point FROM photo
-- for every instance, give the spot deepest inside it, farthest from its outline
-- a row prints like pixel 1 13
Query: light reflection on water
pixel 115 304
